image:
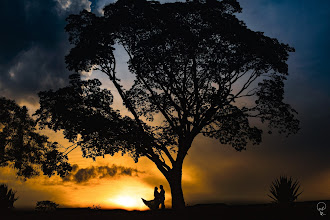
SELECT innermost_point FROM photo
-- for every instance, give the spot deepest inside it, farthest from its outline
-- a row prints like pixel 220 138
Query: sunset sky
pixel 32 49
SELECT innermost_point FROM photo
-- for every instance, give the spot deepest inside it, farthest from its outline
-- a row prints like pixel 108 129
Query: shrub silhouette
pixel 7 197
pixel 46 206
pixel 95 207
pixel 284 190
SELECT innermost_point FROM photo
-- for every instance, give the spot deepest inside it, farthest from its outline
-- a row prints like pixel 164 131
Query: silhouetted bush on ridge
pixel 46 206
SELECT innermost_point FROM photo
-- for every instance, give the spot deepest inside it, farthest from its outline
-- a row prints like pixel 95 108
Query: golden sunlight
pixel 126 194
pixel 127 202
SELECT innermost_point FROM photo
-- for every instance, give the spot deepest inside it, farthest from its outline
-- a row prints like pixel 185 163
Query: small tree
pixel 25 150
pixel 195 65
pixel 46 206
pixel 7 197
pixel 284 190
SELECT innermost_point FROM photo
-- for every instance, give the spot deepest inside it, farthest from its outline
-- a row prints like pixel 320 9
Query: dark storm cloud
pixel 83 175
pixel 33 45
pixel 303 24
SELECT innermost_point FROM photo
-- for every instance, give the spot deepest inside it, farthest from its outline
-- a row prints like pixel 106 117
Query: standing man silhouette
pixel 162 197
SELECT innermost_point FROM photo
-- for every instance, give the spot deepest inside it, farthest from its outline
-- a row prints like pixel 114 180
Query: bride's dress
pixel 152 204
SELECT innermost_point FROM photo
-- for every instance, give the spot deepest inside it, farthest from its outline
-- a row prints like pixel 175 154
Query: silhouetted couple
pixel 160 196
pixel 158 200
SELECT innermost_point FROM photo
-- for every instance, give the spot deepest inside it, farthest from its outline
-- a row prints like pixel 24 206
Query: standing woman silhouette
pixel 156 194
pixel 153 204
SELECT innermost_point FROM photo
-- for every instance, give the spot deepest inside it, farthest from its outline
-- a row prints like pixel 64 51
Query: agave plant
pixel 284 190
pixel 7 197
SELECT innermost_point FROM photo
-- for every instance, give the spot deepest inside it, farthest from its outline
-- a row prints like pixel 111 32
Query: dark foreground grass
pixel 300 210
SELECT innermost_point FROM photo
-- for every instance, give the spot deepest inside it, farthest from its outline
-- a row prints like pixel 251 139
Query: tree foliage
pixel 23 148
pixel 83 111
pixel 195 65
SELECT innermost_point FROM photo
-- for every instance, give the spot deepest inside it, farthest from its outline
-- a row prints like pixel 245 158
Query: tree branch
pixel 147 151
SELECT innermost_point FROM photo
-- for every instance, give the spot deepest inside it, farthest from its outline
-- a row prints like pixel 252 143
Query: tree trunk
pixel 175 181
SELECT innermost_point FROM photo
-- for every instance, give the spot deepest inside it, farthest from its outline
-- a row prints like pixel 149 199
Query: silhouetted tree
pixel 194 63
pixel 7 197
pixel 22 148
pixel 46 206
pixel 284 190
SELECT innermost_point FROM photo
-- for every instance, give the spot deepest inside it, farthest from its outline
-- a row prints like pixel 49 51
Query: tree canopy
pixel 194 63
pixel 23 148
pixel 83 111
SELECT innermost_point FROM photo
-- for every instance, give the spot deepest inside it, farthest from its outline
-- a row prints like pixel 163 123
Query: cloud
pixel 97 6
pixel 33 45
pixel 302 24
pixel 35 69
pixel 72 6
pixel 83 175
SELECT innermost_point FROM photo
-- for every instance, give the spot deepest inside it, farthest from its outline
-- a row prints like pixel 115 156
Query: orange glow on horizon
pixel 126 193
pixel 127 202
